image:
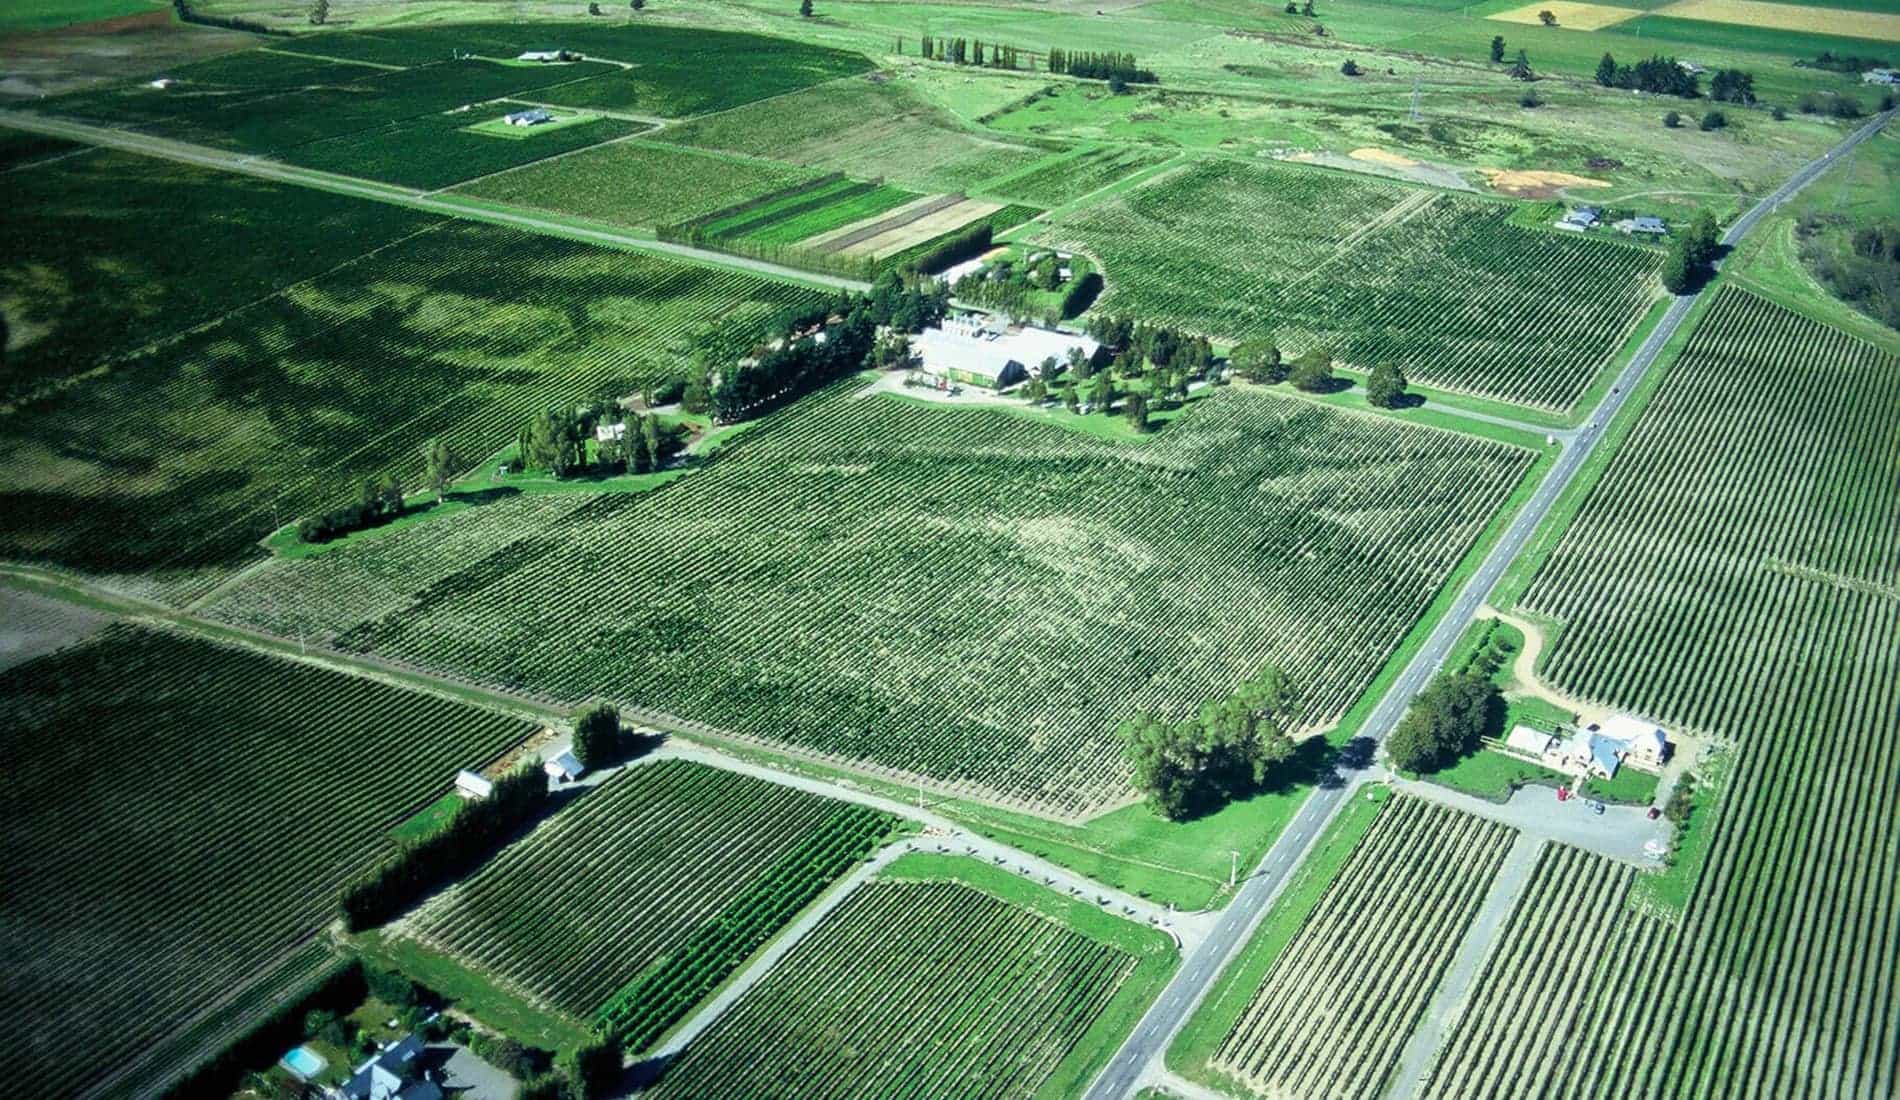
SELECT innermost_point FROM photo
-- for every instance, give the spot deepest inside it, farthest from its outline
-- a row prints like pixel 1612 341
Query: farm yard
pixel 1735 573
pixel 1342 997
pixel 281 405
pixel 645 894
pixel 865 130
pixel 214 789
pixel 1445 286
pixel 973 997
pixel 1569 937
pixel 963 594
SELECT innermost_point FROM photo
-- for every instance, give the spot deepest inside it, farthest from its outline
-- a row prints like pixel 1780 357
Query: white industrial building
pixel 986 352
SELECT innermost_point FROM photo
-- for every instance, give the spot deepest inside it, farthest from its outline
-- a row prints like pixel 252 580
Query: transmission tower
pixel 1415 114
pixel 1847 178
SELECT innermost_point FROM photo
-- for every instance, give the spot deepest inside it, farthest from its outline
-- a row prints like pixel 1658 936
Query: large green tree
pixel 1385 386
pixel 1445 722
pixel 1230 748
pixel 1313 370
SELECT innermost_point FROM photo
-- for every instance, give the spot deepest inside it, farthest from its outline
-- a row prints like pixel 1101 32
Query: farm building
pixel 610 433
pixel 1880 76
pixel 987 353
pixel 564 768
pixel 164 82
pixel 1647 225
pixel 1620 739
pixel 1580 219
pixel 472 786
pixel 394 1074
pixel 532 117
pixel 548 56
pixel 1530 742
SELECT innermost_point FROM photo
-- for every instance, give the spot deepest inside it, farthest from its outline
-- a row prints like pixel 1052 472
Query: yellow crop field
pixel 1786 17
pixel 1576 16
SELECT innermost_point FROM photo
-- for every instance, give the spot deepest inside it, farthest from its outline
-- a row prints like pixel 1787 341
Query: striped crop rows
pixel 1337 1006
pixel 909 989
pixel 1737 572
pixel 620 880
pixel 1445 286
pixel 953 593
pixel 282 407
pixel 1546 996
pixel 178 815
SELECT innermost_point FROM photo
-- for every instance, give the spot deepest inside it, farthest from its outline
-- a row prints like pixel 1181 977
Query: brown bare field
pixel 1787 17
pixel 931 225
pixel 38 63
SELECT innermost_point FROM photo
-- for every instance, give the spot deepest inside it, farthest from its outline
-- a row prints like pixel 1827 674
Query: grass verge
pixel 472 993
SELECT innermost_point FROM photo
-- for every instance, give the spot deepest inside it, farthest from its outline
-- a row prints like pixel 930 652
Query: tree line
pixel 556 440
pixel 1692 255
pixel 1100 66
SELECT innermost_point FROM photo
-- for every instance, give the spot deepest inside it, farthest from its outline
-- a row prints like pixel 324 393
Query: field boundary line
pixel 549 159
pixel 336 60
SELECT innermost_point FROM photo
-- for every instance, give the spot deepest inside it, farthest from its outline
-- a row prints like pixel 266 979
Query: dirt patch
pixel 1383 156
pixel 928 227
pixel 1569 13
pixel 65 59
pixel 33 626
pixel 1536 184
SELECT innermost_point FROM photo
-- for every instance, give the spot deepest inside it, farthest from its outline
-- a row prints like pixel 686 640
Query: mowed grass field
pixel 667 876
pixel 209 429
pixel 867 130
pixel 178 818
pixel 960 593
pixel 1737 572
pixel 642 184
pixel 1443 285
pixel 1336 1008
pixel 934 987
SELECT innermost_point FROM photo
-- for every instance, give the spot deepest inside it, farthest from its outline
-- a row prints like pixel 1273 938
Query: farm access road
pixel 252 165
pixel 1139 1062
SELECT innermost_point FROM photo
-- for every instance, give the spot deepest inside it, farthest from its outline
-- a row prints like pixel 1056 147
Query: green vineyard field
pixel 800 215
pixel 638 183
pixel 1341 999
pixel 178 817
pixel 958 593
pixel 909 989
pixel 865 130
pixel 1737 572
pixel 1567 938
pixel 179 459
pixel 1443 285
pixel 1060 180
pixel 630 887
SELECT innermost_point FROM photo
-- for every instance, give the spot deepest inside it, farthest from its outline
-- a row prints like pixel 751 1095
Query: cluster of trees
pixel 1100 66
pixel 1260 361
pixel 1229 749
pixel 377 502
pixel 1520 65
pixel 1835 104
pixel 1665 76
pixel 1732 86
pixel 1867 274
pixel 1139 348
pixel 1692 255
pixel 424 866
pixel 1015 289
pixel 557 441
pixel 1446 721
pixel 962 51
pixel 599 741
pixel 1294 8
pixel 1844 63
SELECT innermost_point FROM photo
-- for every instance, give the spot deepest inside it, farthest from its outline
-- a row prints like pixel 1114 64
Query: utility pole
pixel 1233 867
pixel 1415 114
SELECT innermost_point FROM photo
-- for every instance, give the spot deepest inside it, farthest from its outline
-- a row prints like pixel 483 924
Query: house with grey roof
pixel 394 1074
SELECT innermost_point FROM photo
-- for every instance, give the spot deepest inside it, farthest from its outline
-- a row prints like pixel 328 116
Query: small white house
pixel 611 433
pixel 472 786
pixel 545 56
pixel 163 82
pixel 564 768
pixel 1529 742
pixel 532 117
pixel 1880 76
pixel 1645 745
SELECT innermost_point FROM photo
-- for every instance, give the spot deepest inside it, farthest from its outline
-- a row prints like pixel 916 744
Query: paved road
pixel 1143 1049
pixel 1474 951
pixel 207 157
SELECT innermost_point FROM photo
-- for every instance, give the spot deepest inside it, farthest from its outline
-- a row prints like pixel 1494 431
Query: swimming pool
pixel 303 1062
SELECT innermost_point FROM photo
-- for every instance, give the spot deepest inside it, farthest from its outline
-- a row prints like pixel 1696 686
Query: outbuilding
pixel 565 768
pixel 984 352
pixel 1880 76
pixel 546 56
pixel 532 117
pixel 1647 225
pixel 473 786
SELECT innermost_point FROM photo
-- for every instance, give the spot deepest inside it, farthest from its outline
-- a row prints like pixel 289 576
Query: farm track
pixel 1140 1057
pixel 251 165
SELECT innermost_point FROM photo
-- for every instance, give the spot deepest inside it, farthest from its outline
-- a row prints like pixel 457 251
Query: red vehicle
pixel 1654 813
pixel 1563 794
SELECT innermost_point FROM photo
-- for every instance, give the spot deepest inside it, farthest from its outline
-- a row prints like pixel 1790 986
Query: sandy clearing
pixel 1536 184
pixel 1383 156
pixel 1570 13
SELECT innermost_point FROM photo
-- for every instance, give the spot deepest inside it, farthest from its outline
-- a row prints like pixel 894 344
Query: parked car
pixel 1596 808
pixel 1654 813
